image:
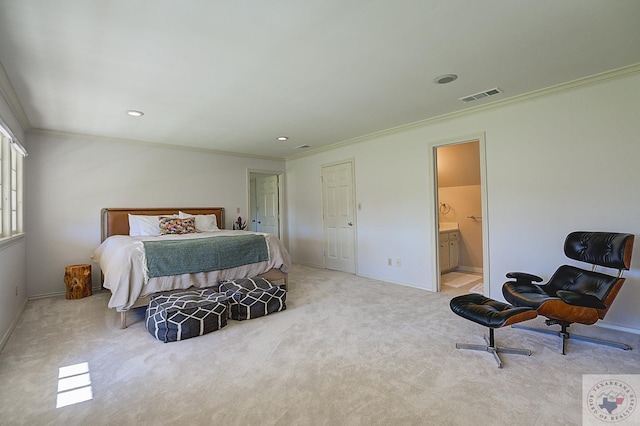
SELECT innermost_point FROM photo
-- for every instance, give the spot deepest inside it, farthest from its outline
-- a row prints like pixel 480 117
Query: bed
pixel 126 267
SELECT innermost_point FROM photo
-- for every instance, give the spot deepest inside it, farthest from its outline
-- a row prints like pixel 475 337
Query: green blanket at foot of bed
pixel 176 257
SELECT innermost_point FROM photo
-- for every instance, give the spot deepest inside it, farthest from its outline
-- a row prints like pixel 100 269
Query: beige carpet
pixel 347 351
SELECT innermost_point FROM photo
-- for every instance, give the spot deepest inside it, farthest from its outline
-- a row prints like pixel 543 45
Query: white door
pixel 253 205
pixel 267 202
pixel 339 217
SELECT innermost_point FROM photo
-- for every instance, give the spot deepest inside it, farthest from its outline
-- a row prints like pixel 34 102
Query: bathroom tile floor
pixel 472 283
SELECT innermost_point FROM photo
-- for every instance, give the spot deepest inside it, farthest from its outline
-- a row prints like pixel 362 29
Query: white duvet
pixel 122 261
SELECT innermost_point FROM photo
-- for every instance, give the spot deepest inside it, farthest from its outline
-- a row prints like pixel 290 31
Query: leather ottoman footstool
pixel 492 314
pixel 182 315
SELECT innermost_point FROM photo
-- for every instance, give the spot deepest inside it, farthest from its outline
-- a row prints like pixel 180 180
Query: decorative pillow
pixel 175 225
pixel 143 225
pixel 204 222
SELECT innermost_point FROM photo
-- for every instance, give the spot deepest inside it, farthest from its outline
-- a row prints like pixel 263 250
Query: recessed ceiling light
pixel 135 113
pixel 283 138
pixel 444 79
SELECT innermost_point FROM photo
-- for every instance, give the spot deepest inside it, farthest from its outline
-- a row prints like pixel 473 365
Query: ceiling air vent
pixel 481 95
pixel 302 147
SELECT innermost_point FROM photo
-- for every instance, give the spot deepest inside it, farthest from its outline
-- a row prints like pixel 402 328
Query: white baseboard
pixel 394 282
pixel 470 269
pixel 61 293
pixel 313 265
pixel 7 335
pixel 46 295
pixel 605 324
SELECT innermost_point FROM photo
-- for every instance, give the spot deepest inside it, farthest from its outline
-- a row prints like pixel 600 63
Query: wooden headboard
pixel 115 221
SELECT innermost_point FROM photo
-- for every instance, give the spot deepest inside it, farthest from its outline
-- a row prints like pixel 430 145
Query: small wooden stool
pixel 78 281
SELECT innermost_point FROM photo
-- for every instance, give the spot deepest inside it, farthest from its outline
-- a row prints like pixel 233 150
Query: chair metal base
pixel 564 333
pixel 493 349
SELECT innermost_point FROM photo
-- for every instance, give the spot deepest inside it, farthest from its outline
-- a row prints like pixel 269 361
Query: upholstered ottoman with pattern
pixel 186 314
pixel 253 297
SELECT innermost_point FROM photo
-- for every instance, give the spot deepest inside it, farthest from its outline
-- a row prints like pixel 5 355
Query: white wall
pixel 70 178
pixel 12 276
pixel 12 257
pixel 558 163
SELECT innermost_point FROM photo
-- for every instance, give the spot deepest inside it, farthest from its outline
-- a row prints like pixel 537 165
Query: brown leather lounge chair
pixel 575 295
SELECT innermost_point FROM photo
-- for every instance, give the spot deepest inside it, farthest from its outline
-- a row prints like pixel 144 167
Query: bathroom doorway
pixel 460 217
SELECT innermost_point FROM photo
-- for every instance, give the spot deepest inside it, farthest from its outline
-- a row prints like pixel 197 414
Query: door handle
pixel 350 224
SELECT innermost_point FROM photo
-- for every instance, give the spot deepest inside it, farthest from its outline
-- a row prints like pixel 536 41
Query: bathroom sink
pixel 448 226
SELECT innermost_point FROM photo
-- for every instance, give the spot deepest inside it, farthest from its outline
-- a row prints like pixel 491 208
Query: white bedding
pixel 121 259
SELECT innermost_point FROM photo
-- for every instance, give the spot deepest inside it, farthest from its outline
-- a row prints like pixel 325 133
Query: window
pixel 2 155
pixel 15 200
pixel 11 185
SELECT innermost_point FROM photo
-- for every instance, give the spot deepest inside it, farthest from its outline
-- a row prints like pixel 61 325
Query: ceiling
pixel 234 75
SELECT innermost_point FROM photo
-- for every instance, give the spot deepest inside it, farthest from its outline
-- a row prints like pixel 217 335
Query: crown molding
pixel 152 144
pixel 9 95
pixel 570 85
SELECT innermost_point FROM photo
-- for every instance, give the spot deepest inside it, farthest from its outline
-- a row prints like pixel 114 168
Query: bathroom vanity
pixel 449 243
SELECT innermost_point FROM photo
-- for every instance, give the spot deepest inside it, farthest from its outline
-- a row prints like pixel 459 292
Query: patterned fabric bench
pixel 187 314
pixel 253 297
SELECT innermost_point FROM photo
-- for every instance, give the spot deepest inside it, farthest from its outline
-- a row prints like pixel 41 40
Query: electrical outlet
pixel 398 262
pixel 390 262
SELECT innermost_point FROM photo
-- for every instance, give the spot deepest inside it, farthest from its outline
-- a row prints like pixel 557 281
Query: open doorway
pixel 460 216
pixel 265 202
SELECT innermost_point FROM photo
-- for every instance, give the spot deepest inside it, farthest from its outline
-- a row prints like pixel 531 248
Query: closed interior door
pixel 267 201
pixel 339 217
pixel 253 205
